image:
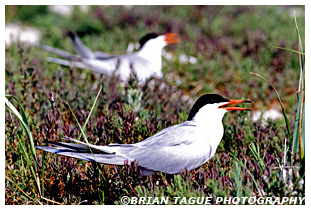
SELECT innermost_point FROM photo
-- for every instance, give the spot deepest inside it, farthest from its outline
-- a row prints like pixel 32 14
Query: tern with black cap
pixel 172 150
pixel 145 63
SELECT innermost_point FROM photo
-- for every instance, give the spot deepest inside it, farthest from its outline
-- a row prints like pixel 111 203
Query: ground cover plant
pixel 255 158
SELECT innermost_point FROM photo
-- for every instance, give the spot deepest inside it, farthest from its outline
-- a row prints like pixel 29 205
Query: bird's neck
pixel 209 115
pixel 210 133
pixel 208 121
pixel 208 124
pixel 151 53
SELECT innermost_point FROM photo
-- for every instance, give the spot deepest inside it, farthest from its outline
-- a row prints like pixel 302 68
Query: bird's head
pixel 212 107
pixel 160 41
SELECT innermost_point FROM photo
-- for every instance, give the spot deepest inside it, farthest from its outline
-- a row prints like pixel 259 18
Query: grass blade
pixel 281 104
pixel 18 188
pixel 299 39
pixel 21 116
pixel 43 171
pixel 22 113
pixel 237 179
pixel 82 128
pixel 88 117
pixel 298 137
pixel 290 50
pixel 28 162
pixel 23 120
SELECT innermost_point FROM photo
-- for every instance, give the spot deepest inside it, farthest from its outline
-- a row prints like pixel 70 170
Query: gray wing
pixel 83 151
pixel 58 52
pixel 170 151
pixel 102 56
pixel 79 47
pixel 95 65
pixel 84 51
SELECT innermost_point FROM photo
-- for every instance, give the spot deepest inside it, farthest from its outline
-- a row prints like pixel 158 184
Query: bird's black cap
pixel 71 35
pixel 203 100
pixel 146 38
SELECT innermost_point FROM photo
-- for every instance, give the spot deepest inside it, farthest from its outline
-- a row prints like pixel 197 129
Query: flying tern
pixel 145 63
pixel 184 146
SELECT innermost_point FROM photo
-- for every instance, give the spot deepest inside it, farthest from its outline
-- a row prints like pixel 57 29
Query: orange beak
pixel 171 38
pixel 230 106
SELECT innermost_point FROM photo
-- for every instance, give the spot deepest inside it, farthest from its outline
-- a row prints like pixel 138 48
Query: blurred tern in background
pixel 145 63
pixel 172 150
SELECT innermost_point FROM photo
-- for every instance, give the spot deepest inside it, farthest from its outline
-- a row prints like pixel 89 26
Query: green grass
pixel 229 43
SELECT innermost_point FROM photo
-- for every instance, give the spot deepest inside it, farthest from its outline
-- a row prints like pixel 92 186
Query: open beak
pixel 230 106
pixel 171 38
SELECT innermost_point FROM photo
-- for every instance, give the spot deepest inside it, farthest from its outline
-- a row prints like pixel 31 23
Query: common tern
pixel 145 63
pixel 184 146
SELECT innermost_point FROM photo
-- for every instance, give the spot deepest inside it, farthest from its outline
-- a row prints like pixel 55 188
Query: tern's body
pixel 145 63
pixel 184 146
